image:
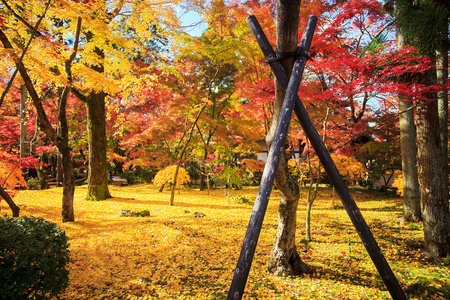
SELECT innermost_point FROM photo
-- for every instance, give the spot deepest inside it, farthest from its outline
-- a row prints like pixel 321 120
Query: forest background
pixel 121 88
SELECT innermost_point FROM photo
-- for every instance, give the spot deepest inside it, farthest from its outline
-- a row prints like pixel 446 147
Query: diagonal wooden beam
pixel 330 167
pixel 262 199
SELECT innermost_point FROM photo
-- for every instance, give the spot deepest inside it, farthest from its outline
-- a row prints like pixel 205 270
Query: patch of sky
pixel 191 21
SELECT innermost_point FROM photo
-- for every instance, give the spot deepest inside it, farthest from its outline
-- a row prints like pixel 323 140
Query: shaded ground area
pixel 173 255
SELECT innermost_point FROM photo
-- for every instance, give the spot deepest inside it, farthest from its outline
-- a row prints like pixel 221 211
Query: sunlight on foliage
pixel 166 176
pixel 253 165
pixel 11 177
pixel 350 168
pixel 173 255
pixel 398 183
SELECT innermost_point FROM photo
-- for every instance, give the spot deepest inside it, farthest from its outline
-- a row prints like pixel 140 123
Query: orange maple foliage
pixel 11 177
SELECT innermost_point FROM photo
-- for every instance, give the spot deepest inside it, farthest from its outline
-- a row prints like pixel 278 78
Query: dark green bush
pixel 33 258
pixel 138 175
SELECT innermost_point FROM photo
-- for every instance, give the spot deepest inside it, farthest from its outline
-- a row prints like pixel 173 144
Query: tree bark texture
pixel 433 178
pixel 96 127
pixel 411 195
pixel 442 96
pixel 66 165
pixel 23 121
pixel 68 182
pixel 284 258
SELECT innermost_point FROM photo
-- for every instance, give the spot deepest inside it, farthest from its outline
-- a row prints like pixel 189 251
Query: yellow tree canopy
pixel 123 30
pixel 166 176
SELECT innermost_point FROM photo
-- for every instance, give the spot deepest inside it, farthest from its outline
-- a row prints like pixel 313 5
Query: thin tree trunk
pixel 284 258
pixel 183 151
pixel 175 177
pixel 23 121
pixel 203 171
pixel 433 178
pixel 411 195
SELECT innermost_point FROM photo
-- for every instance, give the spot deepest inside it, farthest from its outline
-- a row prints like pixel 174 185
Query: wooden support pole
pixel 341 188
pixel 262 199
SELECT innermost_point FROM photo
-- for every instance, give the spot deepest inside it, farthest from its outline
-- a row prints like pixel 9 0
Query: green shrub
pixel 138 175
pixel 142 213
pixel 242 200
pixel 33 258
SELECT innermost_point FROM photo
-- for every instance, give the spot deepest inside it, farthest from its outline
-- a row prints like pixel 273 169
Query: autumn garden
pixel 140 147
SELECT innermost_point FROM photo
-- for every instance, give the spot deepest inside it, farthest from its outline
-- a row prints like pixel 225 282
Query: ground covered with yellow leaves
pixel 173 255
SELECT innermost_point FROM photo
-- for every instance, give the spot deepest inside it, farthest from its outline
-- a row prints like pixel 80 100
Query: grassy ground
pixel 172 255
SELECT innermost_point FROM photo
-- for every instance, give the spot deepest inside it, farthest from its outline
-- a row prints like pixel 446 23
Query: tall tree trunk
pixel 442 76
pixel 284 258
pixel 96 128
pixel 411 195
pixel 433 177
pixel 66 166
pixel 442 96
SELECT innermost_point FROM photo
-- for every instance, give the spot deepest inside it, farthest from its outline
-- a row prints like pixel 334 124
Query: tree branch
pixel 14 208
pixel 19 62
pixel 45 125
pixel 23 20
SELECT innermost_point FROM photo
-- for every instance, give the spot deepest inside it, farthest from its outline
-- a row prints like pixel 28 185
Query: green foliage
pixel 33 255
pixel 142 213
pixel 139 175
pixel 241 199
pixel 425 24
pixel 233 176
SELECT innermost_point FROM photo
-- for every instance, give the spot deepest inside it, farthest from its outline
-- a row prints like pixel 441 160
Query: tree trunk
pixel 68 182
pixel 203 171
pixel 433 178
pixel 96 127
pixel 308 219
pixel 174 186
pixel 411 195
pixel 23 121
pixel 284 258
pixel 442 96
pixel 14 208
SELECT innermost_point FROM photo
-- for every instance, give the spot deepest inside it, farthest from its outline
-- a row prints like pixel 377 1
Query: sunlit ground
pixel 172 255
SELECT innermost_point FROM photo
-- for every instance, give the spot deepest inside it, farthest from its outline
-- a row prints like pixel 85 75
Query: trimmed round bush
pixel 33 258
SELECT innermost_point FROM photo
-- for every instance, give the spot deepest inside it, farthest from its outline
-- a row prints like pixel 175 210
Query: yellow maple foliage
pixel 166 176
pixel 350 168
